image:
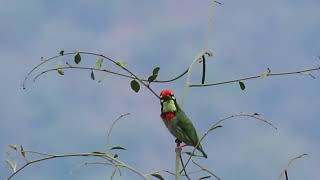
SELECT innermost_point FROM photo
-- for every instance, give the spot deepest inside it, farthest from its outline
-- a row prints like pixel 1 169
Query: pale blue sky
pixel 72 113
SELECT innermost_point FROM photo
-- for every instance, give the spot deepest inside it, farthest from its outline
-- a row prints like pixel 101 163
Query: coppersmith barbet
pixel 177 122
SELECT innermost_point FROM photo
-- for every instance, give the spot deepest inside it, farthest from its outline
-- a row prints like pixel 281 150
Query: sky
pixel 71 113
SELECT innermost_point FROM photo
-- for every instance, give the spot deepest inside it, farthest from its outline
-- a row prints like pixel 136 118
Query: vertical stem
pixel 203 69
pixel 178 153
pixel 286 173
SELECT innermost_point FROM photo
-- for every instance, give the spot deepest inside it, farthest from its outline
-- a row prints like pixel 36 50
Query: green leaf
pixel 242 86
pixel 152 78
pixel 115 156
pixel 23 153
pixel 61 52
pixel 13 146
pixel 59 69
pixel 92 75
pixel 135 86
pixel 121 63
pixel 156 71
pixel 191 154
pixel 77 58
pixel 12 165
pixel 118 147
pixel 99 63
pixel 158 176
pixel 215 127
pixel 98 152
pixel 205 177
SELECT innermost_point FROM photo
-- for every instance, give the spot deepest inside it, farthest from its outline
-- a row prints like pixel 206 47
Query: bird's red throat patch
pixel 168 115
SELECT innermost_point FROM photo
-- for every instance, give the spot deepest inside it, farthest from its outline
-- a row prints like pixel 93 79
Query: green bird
pixel 177 122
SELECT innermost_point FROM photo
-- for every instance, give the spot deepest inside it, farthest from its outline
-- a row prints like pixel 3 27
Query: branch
pixel 183 166
pixel 263 75
pixel 114 161
pixel 206 170
pixel 285 170
pixel 171 173
pixel 112 125
pixel 131 74
pixel 178 155
pixel 217 125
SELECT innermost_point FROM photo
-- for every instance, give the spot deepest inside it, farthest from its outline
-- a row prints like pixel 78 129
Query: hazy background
pixel 71 113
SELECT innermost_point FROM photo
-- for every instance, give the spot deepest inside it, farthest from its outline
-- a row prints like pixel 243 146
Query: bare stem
pixel 217 125
pixel 206 170
pixel 284 171
pixel 257 76
pixel 131 74
pixel 178 155
pixel 117 162
pixel 112 125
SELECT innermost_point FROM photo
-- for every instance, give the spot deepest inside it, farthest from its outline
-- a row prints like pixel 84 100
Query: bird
pixel 177 122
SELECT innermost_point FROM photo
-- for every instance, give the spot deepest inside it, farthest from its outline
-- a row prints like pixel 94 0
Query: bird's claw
pixel 178 149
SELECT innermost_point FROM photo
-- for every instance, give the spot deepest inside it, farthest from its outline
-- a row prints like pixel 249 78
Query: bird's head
pixel 168 101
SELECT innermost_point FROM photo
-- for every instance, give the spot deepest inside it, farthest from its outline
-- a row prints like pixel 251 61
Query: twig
pixel 112 125
pixel 216 125
pixel 131 74
pixel 108 71
pixel 102 155
pixel 171 173
pixel 206 170
pixel 203 70
pixel 256 76
pixel 92 163
pixel 183 167
pixel 284 171
pixel 189 73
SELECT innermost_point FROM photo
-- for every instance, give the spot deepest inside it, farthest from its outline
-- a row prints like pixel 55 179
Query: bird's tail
pixel 202 151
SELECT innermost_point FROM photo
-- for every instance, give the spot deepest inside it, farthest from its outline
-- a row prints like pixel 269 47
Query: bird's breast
pixel 168 116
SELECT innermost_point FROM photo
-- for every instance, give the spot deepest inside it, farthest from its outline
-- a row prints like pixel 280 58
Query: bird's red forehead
pixel 166 92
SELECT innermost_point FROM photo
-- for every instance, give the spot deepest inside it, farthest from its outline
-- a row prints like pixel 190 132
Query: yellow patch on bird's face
pixel 169 106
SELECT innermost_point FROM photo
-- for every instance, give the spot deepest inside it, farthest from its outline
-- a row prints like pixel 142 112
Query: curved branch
pixel 112 125
pixel 257 76
pixel 217 125
pixel 109 71
pixel 206 170
pixel 117 162
pixel 132 75
pixel 284 171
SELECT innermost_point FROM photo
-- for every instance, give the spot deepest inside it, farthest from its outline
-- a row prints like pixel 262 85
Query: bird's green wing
pixel 185 124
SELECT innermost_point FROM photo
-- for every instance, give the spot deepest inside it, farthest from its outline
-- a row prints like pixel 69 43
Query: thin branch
pixel 171 173
pixel 256 77
pixel 203 70
pixel 132 75
pixel 284 171
pixel 94 163
pixel 102 155
pixel 217 125
pixel 183 167
pixel 108 71
pixel 112 125
pixel 188 79
pixel 206 170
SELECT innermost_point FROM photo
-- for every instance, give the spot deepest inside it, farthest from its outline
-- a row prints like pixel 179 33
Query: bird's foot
pixel 179 148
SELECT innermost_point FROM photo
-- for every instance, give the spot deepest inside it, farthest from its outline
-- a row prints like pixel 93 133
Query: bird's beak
pixel 166 98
